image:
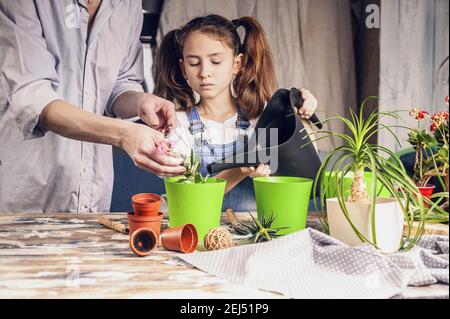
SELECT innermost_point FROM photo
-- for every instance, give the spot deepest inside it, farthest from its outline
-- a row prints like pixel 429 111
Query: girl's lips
pixel 206 86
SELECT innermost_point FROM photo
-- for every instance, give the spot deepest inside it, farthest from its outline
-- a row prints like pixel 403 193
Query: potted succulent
pixel 430 141
pixel 193 198
pixel 359 216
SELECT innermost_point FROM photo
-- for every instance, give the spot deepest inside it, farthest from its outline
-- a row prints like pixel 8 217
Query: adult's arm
pixel 139 141
pixel 28 79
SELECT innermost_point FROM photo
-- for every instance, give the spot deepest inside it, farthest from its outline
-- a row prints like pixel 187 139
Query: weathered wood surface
pixel 73 256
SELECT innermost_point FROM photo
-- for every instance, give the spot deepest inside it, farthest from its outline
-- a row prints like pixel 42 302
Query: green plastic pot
pixel 286 197
pixel 330 177
pixel 197 204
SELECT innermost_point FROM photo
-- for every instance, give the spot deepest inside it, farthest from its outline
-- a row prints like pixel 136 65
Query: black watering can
pixel 295 153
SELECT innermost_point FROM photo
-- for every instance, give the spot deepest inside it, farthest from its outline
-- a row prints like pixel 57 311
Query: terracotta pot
pixel 182 238
pixel 427 190
pixel 143 241
pixel 153 222
pixel 146 204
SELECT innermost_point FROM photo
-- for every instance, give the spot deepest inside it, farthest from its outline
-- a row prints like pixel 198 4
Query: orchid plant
pixel 431 143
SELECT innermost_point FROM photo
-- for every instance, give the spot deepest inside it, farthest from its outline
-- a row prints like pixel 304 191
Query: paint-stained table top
pixel 72 256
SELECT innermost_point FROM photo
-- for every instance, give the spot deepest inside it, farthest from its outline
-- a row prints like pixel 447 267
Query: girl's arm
pixel 235 175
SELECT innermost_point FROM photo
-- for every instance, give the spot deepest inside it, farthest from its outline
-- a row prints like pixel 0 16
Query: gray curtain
pixel 311 42
pixel 414 46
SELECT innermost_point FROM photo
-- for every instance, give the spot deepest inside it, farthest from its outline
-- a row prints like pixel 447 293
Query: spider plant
pixel 357 156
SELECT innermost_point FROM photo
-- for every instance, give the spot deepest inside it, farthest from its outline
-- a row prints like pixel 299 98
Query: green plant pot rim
pixel 282 179
pixel 210 180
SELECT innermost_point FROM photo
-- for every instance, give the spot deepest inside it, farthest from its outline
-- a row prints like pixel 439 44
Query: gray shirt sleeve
pixel 28 77
pixel 131 72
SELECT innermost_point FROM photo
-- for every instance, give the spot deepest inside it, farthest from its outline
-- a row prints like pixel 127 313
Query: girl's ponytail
pixel 256 82
pixel 170 83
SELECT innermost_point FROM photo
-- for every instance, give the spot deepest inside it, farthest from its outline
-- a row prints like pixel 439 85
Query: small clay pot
pixel 143 241
pixel 183 238
pixel 153 222
pixel 427 190
pixel 146 204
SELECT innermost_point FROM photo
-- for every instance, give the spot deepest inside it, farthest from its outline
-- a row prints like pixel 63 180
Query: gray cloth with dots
pixel 310 264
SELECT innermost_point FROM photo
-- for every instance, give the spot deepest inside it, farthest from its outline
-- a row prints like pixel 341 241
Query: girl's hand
pixel 309 104
pixel 261 170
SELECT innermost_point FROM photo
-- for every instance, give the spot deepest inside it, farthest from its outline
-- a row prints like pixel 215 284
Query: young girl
pixel 221 86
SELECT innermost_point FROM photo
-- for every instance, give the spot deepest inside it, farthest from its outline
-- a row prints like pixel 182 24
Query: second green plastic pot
pixel 197 204
pixel 286 197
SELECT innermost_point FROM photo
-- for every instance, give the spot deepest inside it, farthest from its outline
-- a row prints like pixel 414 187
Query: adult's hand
pixel 141 144
pixel 156 112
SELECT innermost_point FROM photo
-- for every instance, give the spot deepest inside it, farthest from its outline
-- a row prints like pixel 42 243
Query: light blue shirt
pixel 44 56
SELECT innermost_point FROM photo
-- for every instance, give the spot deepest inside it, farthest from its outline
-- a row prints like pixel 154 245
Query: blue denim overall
pixel 242 196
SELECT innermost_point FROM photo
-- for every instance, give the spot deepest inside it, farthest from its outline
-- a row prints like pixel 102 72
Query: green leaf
pixel 263 230
pixel 192 174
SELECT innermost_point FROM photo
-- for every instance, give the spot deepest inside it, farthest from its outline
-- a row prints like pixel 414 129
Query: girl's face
pixel 208 64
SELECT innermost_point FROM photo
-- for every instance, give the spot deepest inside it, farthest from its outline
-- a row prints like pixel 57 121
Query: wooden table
pixel 72 256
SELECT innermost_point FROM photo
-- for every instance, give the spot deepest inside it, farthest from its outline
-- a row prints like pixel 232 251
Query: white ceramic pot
pixel 389 221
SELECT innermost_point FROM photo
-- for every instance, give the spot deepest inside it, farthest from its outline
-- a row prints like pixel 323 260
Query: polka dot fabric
pixel 310 264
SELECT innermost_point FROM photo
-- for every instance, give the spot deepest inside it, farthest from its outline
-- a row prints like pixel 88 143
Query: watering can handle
pixel 297 101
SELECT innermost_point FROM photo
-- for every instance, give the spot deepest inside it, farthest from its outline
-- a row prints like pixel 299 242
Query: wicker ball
pixel 217 238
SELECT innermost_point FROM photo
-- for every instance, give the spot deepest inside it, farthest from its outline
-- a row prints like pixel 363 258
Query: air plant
pixel 255 230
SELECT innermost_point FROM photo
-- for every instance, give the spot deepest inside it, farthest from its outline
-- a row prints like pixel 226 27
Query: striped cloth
pixel 310 264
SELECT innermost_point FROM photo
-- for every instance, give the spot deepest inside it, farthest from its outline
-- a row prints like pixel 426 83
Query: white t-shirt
pixel 215 132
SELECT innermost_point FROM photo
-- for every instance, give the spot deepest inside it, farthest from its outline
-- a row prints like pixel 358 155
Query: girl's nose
pixel 204 72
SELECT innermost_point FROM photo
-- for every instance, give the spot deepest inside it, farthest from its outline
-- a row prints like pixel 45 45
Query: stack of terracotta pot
pixel 145 228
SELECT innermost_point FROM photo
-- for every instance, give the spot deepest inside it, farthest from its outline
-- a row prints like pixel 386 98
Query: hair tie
pixel 178 33
pixel 236 23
